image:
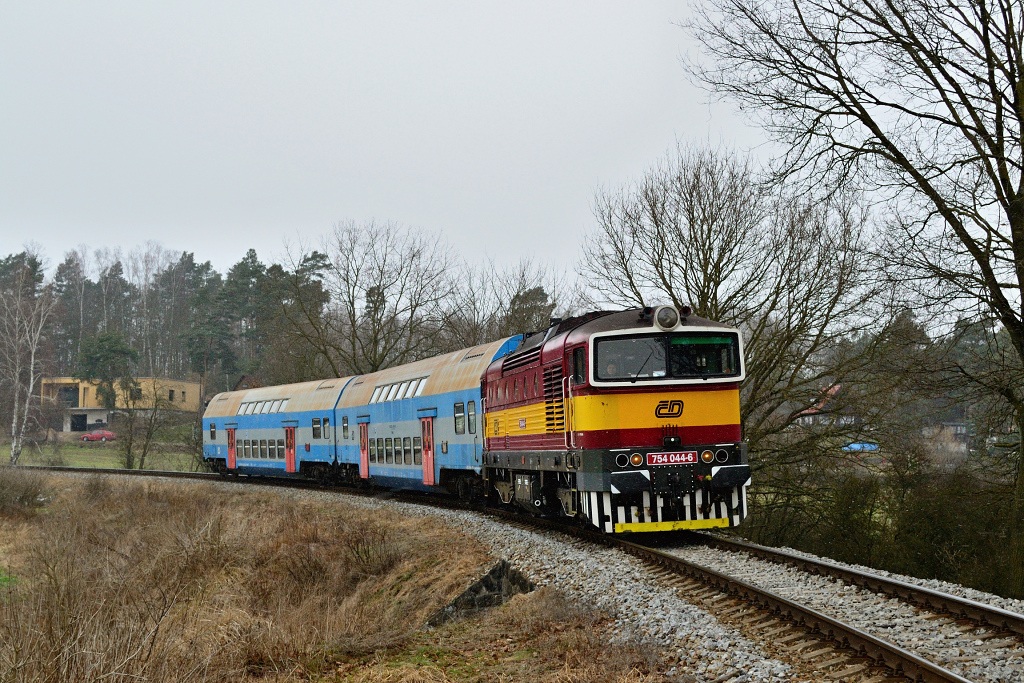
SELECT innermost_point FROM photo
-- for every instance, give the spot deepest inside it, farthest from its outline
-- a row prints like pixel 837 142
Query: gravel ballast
pixel 976 653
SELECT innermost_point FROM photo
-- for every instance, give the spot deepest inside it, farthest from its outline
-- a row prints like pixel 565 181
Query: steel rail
pixel 954 605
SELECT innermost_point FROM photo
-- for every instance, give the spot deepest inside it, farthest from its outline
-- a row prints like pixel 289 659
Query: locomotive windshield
pixel 690 355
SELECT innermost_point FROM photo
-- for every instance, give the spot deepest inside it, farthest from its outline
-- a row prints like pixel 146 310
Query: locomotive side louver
pixel 554 407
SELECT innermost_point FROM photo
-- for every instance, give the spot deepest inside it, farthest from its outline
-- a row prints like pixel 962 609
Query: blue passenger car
pixel 413 426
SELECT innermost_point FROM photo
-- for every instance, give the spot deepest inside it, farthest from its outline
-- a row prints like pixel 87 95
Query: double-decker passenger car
pixel 627 420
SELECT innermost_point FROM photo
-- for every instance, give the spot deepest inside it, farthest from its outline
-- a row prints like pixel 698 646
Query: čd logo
pixel 669 409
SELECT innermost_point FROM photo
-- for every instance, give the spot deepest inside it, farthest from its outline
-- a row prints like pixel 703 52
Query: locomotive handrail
pixel 570 434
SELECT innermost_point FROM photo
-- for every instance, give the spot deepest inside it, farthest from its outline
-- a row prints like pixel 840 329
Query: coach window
pixel 344 427
pixel 316 427
pixel 213 432
pixel 327 427
pixel 389 451
pixel 265 407
pixel 272 449
pixel 380 450
pixel 373 450
pixel 417 450
pixel 263 448
pixel 407 450
pixel 472 417
pixel 376 395
pixel 280 448
pixel 460 418
pixel 399 451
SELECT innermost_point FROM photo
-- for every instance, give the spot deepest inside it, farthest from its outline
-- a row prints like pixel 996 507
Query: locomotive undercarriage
pixel 586 485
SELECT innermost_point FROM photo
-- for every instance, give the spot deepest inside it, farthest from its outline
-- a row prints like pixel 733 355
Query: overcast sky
pixel 214 127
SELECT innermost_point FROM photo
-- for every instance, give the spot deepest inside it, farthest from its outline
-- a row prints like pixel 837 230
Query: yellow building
pixel 83 409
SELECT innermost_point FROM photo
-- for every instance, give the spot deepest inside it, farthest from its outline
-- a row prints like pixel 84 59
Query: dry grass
pixel 538 637
pixel 186 583
pixel 168 582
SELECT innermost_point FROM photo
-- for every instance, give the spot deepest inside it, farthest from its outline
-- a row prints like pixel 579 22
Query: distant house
pixel 83 409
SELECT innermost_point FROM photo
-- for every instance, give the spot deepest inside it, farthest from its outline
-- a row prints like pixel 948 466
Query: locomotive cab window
pixel 579 365
pixel 693 355
pixel 460 418
pixel 316 427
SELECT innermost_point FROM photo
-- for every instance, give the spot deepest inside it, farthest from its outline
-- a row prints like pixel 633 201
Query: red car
pixel 99 435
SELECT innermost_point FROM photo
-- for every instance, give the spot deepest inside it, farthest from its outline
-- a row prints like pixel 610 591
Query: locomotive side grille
pixel 521 360
pixel 554 407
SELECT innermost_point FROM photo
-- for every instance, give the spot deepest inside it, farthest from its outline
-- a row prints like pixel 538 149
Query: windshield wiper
pixel 642 366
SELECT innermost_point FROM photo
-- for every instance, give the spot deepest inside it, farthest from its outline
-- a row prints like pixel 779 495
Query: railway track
pixel 817 646
pixel 936 601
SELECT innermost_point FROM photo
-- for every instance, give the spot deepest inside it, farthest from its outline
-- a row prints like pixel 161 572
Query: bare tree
pixel 491 302
pixel 25 307
pixel 143 415
pixel 702 229
pixel 383 290
pixel 920 101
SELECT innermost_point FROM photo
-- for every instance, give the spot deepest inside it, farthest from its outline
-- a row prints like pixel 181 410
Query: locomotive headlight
pixel 636 460
pixel 621 460
pixel 707 456
pixel 666 317
pixel 721 455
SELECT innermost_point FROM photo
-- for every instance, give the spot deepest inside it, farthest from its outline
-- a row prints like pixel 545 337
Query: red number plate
pixel 683 458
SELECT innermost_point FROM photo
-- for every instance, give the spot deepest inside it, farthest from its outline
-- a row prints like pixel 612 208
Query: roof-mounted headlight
pixel 666 318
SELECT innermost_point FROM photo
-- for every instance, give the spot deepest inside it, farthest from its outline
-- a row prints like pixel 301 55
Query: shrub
pixel 21 491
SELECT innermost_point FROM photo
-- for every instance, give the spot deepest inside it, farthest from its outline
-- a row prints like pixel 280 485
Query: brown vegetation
pixel 135 581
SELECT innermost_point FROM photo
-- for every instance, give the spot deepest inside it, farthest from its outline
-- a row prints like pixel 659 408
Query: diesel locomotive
pixel 628 421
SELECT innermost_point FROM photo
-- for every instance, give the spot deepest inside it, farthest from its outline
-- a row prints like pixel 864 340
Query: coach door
pixel 289 449
pixel 427 429
pixel 232 460
pixel 364 451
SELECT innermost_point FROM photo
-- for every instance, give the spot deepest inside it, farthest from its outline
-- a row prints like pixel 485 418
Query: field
pixel 102 579
pixel 73 453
